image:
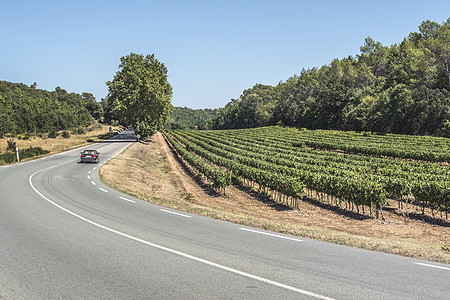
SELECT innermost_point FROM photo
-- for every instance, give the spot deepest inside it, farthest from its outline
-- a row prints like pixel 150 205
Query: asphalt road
pixel 66 235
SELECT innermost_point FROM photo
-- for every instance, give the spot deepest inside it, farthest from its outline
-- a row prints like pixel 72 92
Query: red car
pixel 90 156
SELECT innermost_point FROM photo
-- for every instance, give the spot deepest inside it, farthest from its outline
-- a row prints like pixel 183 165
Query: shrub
pixel 65 134
pixel 11 145
pixel 53 134
pixel 32 151
pixel 8 157
pixel 81 130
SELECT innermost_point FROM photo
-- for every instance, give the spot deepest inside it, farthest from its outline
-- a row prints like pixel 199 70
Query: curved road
pixel 66 235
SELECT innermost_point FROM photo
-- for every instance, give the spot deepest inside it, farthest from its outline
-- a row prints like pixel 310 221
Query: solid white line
pixel 176 252
pixel 271 234
pixel 103 190
pixel 432 266
pixel 175 213
pixel 93 182
pixel 123 198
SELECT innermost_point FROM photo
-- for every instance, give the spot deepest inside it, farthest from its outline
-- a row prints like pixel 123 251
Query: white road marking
pixel 89 172
pixel 271 234
pixel 103 190
pixel 89 177
pixel 123 198
pixel 175 213
pixel 93 183
pixel 432 266
pixel 176 252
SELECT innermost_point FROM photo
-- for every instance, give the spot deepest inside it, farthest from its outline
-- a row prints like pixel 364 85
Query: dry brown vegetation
pixel 151 171
pixel 94 133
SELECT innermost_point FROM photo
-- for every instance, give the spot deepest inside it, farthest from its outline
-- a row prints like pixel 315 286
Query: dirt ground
pixel 153 172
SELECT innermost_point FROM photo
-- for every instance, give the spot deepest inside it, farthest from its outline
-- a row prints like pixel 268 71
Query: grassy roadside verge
pixel 93 134
pixel 149 173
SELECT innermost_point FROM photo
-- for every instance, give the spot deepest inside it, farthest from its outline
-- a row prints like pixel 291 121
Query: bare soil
pixel 152 171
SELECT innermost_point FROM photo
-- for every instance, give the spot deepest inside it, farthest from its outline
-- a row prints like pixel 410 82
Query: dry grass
pixel 95 133
pixel 151 172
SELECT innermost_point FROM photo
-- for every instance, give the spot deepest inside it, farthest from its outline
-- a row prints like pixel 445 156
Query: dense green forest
pixel 188 118
pixel 26 109
pixel 403 88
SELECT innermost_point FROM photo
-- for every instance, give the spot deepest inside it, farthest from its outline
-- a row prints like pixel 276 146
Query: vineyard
pixel 349 170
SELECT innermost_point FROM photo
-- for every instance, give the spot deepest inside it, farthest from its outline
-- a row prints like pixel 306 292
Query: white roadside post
pixel 17 153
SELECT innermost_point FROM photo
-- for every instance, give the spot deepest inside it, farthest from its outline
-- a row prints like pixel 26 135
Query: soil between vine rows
pixel 151 171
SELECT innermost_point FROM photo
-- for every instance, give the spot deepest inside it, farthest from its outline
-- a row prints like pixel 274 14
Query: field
pixel 358 172
pixel 153 171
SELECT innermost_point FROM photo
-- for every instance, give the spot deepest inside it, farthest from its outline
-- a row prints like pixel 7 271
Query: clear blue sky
pixel 213 49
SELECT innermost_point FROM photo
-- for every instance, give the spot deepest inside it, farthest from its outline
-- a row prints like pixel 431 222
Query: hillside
pixel 188 118
pixel 27 109
pixel 403 88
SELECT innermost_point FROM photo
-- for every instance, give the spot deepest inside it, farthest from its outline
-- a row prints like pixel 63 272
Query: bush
pixel 32 151
pixel 11 145
pixel 81 130
pixel 8 157
pixel 66 134
pixel 53 134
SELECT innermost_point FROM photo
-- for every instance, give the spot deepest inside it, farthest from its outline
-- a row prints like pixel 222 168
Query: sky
pixel 213 50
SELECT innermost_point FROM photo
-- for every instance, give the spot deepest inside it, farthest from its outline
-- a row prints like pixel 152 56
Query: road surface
pixel 66 235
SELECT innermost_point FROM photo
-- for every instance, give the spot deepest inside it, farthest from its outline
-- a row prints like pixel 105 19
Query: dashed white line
pixel 103 190
pixel 432 266
pixel 89 172
pixel 129 200
pixel 175 213
pixel 271 234
pixel 179 253
pixel 93 183
pixel 89 177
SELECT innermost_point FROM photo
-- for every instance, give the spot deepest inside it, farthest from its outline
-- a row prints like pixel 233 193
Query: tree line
pixel 188 118
pixel 27 109
pixel 403 88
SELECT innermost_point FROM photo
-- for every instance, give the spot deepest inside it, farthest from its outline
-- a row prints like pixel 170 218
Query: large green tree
pixel 404 88
pixel 140 94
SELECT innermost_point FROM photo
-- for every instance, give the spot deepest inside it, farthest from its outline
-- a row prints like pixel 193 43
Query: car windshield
pixel 90 151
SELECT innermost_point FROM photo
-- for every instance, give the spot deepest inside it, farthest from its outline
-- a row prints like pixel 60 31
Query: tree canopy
pixel 140 95
pixel 26 109
pixel 403 88
pixel 188 118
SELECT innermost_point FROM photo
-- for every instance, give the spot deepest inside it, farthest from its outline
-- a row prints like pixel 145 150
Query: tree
pixel 140 94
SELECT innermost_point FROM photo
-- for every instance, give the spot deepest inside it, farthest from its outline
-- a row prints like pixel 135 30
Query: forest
pixel 27 109
pixel 188 118
pixel 403 88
